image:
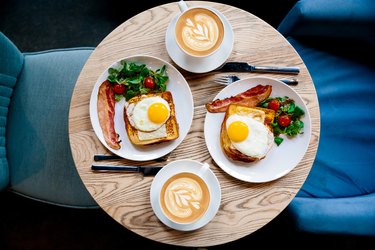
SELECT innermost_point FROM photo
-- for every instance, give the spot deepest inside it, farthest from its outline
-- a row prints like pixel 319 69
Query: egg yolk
pixel 157 112
pixel 238 131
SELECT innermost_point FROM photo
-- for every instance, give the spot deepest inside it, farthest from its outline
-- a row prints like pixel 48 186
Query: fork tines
pixel 227 79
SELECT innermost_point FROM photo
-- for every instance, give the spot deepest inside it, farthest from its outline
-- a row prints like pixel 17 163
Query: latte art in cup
pixel 199 32
pixel 184 197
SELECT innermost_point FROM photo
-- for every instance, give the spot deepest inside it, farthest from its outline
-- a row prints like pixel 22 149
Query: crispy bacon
pixel 249 98
pixel 106 114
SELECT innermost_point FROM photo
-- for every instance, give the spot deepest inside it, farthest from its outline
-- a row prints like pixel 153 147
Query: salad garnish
pixel 287 117
pixel 132 79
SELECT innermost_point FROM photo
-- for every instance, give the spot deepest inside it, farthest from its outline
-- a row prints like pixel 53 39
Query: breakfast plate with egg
pixel 143 126
pixel 239 139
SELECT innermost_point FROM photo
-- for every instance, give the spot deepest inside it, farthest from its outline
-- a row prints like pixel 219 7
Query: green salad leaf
pixel 132 75
pixel 291 123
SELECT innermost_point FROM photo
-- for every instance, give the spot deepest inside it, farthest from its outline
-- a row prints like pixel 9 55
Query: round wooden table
pixel 245 207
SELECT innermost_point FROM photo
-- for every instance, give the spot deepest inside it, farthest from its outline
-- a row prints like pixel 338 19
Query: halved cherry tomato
pixel 274 104
pixel 149 82
pixel 119 88
pixel 283 120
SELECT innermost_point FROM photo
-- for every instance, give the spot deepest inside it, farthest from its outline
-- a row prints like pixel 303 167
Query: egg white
pixel 138 115
pixel 259 140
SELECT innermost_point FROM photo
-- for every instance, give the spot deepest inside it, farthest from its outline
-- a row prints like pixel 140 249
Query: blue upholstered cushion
pixel 11 61
pixel 39 154
pixel 342 19
pixel 351 215
pixel 345 162
pixel 335 40
pixel 341 184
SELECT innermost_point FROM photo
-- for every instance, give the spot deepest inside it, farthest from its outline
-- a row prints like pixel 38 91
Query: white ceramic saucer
pixel 200 65
pixel 192 166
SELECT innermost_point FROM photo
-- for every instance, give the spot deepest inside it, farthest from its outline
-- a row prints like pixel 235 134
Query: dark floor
pixel 41 24
pixel 26 224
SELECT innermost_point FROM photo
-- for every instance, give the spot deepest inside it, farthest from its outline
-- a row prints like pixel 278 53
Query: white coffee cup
pixel 185 194
pixel 184 197
pixel 199 31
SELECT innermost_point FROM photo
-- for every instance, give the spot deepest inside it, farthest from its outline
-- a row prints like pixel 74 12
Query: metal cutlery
pixel 146 171
pixel 228 79
pixel 106 157
pixel 102 157
pixel 246 67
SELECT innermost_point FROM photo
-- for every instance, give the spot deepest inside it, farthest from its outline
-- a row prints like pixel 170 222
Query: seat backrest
pixel 334 39
pixel 338 19
pixel 344 81
pixel 11 62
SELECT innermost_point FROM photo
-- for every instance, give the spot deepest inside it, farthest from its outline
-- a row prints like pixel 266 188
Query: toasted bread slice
pixel 169 131
pixel 262 114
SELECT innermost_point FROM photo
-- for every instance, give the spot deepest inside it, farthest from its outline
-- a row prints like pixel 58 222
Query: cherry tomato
pixel 149 82
pixel 274 104
pixel 119 88
pixel 283 120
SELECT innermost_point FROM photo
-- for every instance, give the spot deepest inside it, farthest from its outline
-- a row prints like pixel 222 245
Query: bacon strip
pixel 106 114
pixel 249 98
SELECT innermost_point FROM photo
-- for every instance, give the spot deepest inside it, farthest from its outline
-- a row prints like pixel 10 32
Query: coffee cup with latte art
pixel 199 31
pixel 184 198
pixel 185 194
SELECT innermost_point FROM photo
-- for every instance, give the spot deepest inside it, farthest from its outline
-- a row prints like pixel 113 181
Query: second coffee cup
pixel 199 31
pixel 184 198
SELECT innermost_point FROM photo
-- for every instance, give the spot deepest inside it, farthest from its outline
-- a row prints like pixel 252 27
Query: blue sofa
pixel 335 39
pixel 35 156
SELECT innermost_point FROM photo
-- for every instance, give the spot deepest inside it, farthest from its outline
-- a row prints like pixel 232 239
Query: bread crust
pixel 226 143
pixel 171 124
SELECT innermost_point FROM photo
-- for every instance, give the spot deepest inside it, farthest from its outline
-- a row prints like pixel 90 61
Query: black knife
pixel 246 67
pixel 147 171
pixel 101 157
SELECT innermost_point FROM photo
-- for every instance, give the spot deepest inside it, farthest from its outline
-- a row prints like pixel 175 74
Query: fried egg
pixel 149 114
pixel 248 135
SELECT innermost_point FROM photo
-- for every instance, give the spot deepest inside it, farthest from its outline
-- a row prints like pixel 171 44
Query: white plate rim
pixel 200 65
pixel 184 113
pixel 193 166
pixel 261 171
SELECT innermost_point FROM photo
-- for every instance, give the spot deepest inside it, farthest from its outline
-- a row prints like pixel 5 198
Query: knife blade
pixel 246 67
pixel 146 171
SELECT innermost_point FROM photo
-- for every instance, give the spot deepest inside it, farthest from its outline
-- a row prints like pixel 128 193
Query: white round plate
pixel 200 65
pixel 184 107
pixel 192 166
pixel 281 159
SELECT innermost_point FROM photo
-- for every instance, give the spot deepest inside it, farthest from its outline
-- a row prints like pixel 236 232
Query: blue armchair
pixel 35 156
pixel 335 39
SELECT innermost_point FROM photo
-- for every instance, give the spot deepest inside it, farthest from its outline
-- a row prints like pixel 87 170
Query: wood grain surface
pixel 245 207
